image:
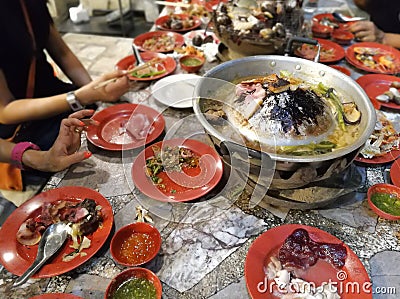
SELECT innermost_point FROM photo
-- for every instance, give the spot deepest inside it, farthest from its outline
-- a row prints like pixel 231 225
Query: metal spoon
pixel 139 60
pixel 342 18
pixel 52 239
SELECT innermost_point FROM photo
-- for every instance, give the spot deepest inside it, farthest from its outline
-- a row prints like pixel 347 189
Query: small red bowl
pixel 387 189
pixel 129 274
pixel 147 234
pixel 321 31
pixel 343 69
pixel 342 37
pixel 191 63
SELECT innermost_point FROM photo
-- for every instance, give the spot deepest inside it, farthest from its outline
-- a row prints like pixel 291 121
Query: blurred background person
pixel 384 25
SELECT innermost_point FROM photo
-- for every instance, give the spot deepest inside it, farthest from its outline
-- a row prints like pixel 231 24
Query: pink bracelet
pixel 18 150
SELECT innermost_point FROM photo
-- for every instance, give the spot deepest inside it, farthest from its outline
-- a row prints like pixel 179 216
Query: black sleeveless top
pixel 16 51
pixel 385 14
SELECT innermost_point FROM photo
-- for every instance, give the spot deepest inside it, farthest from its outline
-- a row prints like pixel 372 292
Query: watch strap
pixel 18 150
pixel 73 101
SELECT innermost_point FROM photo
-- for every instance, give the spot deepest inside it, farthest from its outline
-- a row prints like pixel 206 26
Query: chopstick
pixel 177 4
pixel 137 68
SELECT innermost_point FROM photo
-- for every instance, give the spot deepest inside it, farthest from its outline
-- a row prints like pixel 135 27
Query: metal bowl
pixel 293 171
pixel 247 47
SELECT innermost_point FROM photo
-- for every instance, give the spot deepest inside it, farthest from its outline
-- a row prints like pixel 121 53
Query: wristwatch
pixel 18 150
pixel 73 101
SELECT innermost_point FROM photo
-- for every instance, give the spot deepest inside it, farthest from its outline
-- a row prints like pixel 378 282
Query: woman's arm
pixel 66 59
pixel 61 155
pixel 363 4
pixel 18 111
pixel 5 151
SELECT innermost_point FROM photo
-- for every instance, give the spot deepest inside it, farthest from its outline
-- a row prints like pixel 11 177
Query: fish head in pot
pixel 291 171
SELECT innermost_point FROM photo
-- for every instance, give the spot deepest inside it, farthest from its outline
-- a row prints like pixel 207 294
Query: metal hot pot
pixel 289 171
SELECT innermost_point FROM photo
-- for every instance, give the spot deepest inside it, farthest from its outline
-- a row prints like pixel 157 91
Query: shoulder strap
pixel 32 68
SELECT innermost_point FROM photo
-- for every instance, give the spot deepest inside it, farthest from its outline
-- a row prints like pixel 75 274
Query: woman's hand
pixel 111 92
pixel 64 151
pixel 366 31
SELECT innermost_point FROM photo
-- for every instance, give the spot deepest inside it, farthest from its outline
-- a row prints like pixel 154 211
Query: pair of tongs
pixel 51 241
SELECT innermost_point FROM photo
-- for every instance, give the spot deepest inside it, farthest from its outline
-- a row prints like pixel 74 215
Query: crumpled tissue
pixel 78 14
pixel 210 51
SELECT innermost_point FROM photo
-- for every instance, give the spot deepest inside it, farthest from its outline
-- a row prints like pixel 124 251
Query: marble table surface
pixel 205 242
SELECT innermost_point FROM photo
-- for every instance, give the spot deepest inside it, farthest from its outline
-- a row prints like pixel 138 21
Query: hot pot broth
pixel 285 115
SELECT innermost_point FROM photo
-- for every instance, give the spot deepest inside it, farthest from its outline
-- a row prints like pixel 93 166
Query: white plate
pixel 176 90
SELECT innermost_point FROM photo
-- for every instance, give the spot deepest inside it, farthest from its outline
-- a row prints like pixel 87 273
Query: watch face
pixel 73 102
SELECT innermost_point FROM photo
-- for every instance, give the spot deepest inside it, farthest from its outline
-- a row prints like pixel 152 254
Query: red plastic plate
pixel 268 244
pixel 376 84
pixel 161 22
pixel 129 62
pixel 156 35
pixel 209 175
pixel 17 258
pixel 338 52
pixel 384 49
pixel 107 135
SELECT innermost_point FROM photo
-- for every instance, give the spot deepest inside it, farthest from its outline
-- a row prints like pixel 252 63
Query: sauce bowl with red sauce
pixel 135 244
pixel 321 31
pixel 342 69
pixel 342 37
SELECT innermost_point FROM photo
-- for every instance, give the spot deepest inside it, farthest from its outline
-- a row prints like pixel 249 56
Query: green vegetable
pixel 309 149
pixel 150 74
pixel 330 93
pixel 136 288
pixel 389 203
pixel 156 179
pixel 285 74
pixel 191 62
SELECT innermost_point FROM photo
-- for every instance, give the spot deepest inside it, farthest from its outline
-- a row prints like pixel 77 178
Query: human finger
pixel 78 130
pixel 362 34
pixel 114 90
pixel 78 125
pixel 113 74
pixel 368 38
pixel 70 133
pixel 82 113
pixel 121 85
pixel 75 158
pixel 90 122
pixel 361 26
pixel 72 123
pixel 367 35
